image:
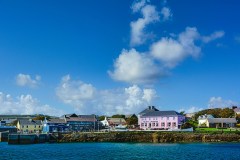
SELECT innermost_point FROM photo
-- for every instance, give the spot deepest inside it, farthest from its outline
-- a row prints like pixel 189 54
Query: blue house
pixel 81 123
pixel 55 125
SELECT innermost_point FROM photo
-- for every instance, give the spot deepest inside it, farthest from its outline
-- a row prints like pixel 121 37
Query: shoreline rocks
pixel 148 137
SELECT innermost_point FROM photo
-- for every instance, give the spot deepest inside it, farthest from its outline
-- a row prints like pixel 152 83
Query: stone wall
pixel 149 137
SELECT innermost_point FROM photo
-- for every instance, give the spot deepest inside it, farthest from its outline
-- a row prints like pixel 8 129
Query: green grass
pixel 228 130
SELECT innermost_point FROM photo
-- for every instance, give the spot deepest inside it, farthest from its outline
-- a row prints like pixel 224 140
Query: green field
pixel 217 130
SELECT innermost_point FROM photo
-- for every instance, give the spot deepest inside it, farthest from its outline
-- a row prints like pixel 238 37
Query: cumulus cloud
pixel 149 15
pixel 137 5
pixel 213 36
pixel 71 91
pixel 166 13
pixel 172 51
pixel 116 101
pixel 25 104
pixel 191 109
pixel 25 80
pixel 219 102
pixel 134 67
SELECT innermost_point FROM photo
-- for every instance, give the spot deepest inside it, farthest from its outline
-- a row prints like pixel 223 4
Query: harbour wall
pixel 149 137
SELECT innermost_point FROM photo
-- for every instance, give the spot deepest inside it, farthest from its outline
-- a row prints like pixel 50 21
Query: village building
pixel 153 119
pixel 202 120
pixel 237 111
pixel 221 122
pixel 211 122
pixel 55 125
pixel 29 126
pixel 113 122
pixel 81 123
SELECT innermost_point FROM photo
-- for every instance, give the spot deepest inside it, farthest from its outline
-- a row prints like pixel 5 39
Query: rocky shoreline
pixel 148 137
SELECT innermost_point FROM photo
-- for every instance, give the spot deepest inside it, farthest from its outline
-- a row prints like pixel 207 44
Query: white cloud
pixel 191 109
pixel 74 92
pixel 137 5
pixel 166 13
pixel 134 67
pixel 25 104
pixel 149 94
pixel 26 80
pixel 150 15
pixel 218 102
pixel 172 51
pixel 213 36
pixel 116 101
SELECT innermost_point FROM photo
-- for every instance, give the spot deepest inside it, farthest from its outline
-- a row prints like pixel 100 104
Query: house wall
pixel 82 125
pixel 29 128
pixel 170 122
pixel 202 122
pixel 217 125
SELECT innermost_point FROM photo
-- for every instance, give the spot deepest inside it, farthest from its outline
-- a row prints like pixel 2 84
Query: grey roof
pixel 222 120
pixel 205 116
pixel 116 120
pixel 149 109
pixel 87 116
pixel 237 110
pixel 161 113
pixel 30 122
pixel 56 120
pixel 79 119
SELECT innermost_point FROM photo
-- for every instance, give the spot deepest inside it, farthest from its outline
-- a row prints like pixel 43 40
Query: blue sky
pixel 113 57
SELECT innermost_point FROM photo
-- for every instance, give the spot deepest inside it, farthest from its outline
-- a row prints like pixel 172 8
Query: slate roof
pixel 206 116
pixel 237 110
pixel 81 119
pixel 56 121
pixel 116 120
pixel 149 109
pixel 161 113
pixel 222 120
pixel 30 122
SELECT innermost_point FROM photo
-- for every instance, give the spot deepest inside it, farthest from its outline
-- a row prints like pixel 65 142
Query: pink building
pixel 152 118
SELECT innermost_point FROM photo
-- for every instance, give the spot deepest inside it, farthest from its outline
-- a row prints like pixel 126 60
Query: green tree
pixel 41 117
pixel 14 123
pixel 118 116
pixel 133 120
pixel 216 113
pixel 101 118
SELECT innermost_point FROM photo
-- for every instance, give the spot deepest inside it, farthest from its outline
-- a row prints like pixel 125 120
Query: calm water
pixel 125 151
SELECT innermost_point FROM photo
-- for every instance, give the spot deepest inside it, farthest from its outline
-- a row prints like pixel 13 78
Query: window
pixel 169 124
pixel 156 124
pixel 174 124
pixel 142 124
pixel 162 124
pixel 145 124
pixel 153 124
pixel 27 126
pixel 35 126
pixel 38 126
pixel 22 126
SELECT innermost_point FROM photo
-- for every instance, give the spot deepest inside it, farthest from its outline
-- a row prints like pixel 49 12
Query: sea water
pixel 102 151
